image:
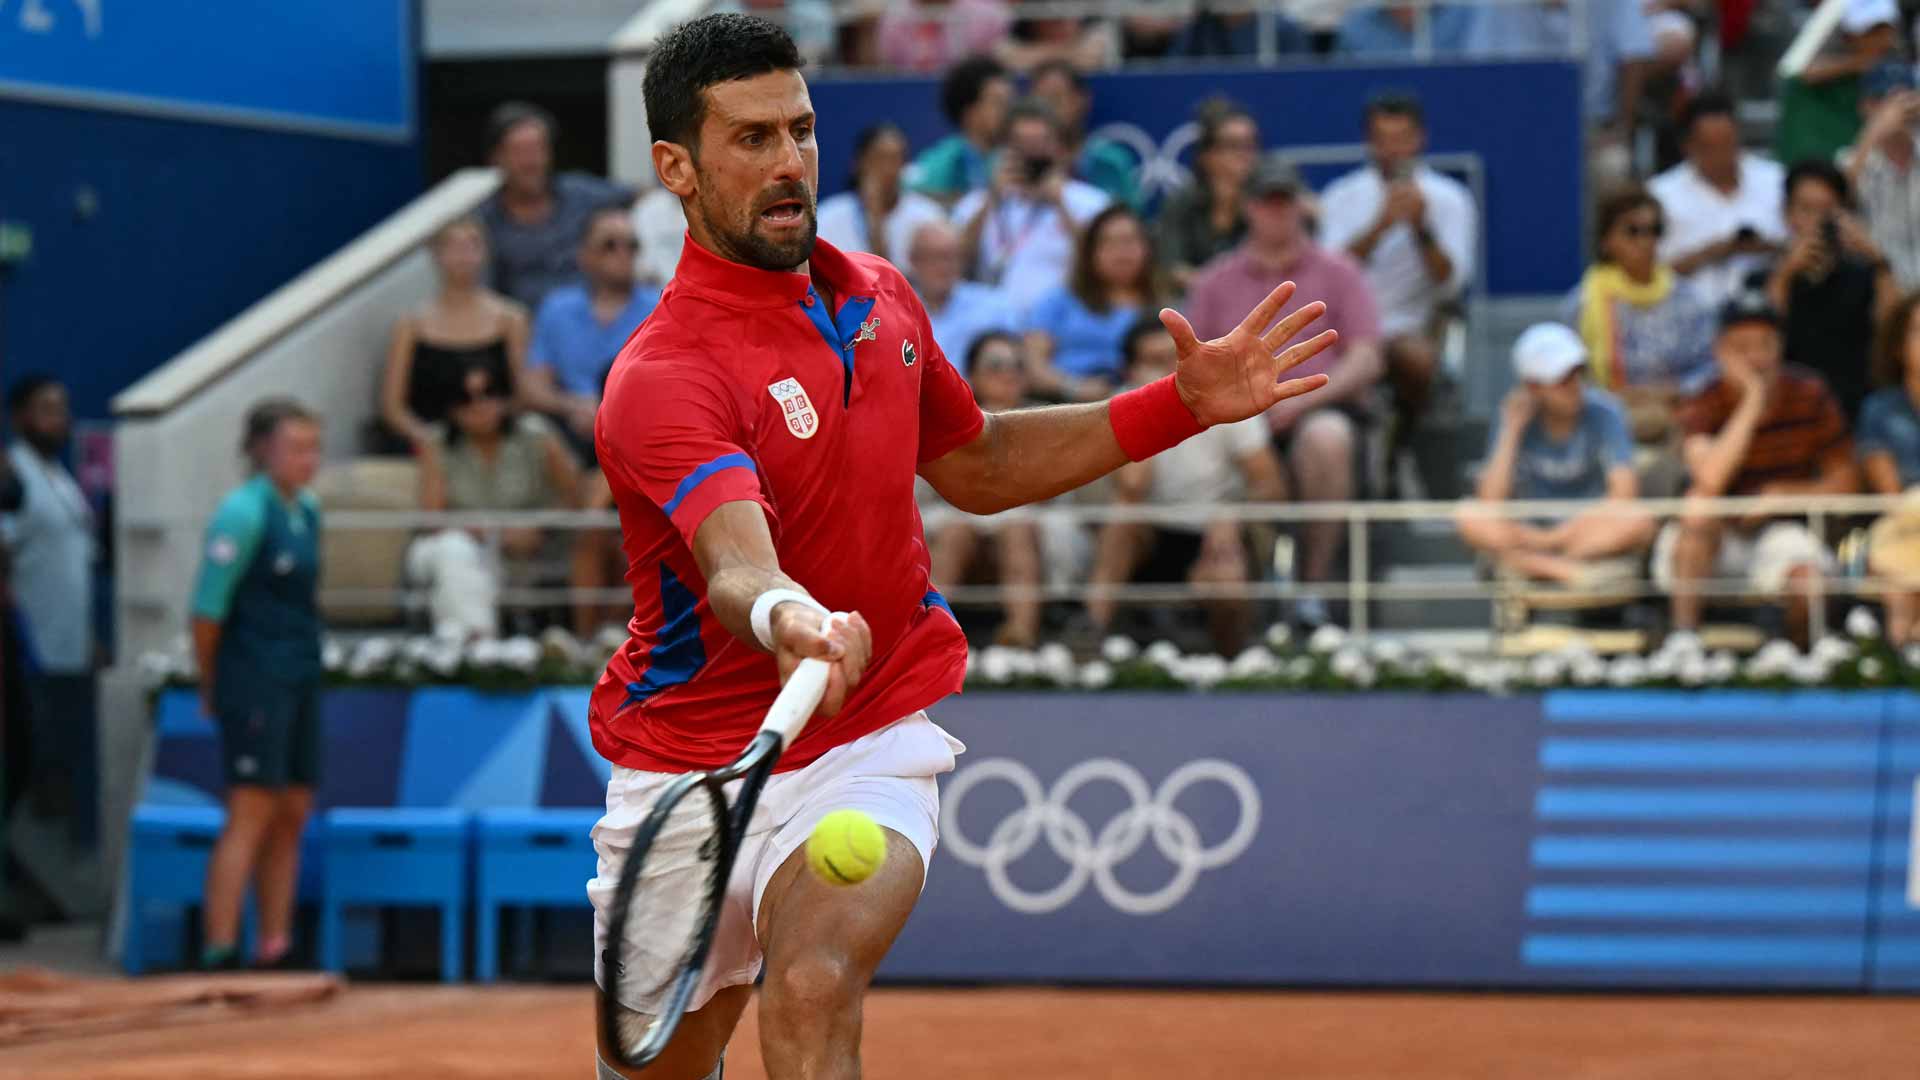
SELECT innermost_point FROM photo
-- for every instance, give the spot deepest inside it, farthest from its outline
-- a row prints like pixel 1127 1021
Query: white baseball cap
pixel 1546 351
pixel 1864 15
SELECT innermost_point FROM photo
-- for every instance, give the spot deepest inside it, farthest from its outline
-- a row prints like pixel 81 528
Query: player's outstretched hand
pixel 1234 377
pixel 800 632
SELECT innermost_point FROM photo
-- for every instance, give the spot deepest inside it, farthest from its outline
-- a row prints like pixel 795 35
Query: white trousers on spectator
pixel 464 579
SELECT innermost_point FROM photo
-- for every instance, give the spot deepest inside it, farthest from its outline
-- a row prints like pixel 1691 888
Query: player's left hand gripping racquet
pixel 690 822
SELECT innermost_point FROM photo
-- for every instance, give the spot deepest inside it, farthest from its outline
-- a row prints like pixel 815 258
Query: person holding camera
pixel 1833 287
pixel 1722 205
pixel 1882 167
pixel 1021 230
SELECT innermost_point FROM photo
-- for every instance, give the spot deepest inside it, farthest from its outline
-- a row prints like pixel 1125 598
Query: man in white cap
pixel 1559 438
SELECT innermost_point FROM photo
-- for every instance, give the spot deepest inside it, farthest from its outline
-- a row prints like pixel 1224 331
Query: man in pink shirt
pixel 1317 436
pixel 929 35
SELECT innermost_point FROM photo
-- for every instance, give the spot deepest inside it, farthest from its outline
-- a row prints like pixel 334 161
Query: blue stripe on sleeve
pixel 698 476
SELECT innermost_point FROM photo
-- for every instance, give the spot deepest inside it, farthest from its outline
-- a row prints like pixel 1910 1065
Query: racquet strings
pixel 667 913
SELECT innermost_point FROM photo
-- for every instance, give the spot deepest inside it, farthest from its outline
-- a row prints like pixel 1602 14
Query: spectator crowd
pixel 1739 332
pixel 1743 328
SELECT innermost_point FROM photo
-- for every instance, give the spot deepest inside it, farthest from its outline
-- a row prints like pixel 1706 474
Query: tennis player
pixel 761 433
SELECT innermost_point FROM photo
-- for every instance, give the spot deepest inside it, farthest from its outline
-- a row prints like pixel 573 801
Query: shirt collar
pixel 750 286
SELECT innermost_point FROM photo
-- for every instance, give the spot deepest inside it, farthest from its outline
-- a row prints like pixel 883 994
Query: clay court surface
pixel 422 1033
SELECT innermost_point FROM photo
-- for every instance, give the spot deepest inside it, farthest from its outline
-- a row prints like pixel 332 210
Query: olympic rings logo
pixel 1160 171
pixel 1093 857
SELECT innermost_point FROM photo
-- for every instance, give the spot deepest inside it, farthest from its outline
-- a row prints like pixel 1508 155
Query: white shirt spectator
pixel 843 222
pixel 51 538
pixel 1395 269
pixel 1205 470
pixel 1025 247
pixel 1698 214
pixel 1890 196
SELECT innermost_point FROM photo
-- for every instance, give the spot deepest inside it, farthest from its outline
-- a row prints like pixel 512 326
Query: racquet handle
pixel 797 700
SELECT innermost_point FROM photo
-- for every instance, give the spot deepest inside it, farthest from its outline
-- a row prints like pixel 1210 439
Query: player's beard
pixel 744 242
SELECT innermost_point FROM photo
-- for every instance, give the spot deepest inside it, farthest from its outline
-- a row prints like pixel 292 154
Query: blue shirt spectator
pixel 971 310
pixel 571 341
pixel 1576 467
pixel 1076 332
pixel 1086 343
pixel 1394 31
pixel 960 311
pixel 581 328
pixel 1889 424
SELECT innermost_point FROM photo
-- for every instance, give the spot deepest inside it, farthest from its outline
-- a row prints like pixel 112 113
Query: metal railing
pixel 1358 586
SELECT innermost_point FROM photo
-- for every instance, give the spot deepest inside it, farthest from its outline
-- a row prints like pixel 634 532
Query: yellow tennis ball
pixel 846 848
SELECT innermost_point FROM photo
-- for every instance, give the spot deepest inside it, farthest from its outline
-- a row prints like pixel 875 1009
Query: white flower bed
pixel 1329 660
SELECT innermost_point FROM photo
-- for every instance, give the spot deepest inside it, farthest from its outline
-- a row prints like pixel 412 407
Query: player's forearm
pixel 1027 456
pixel 731 594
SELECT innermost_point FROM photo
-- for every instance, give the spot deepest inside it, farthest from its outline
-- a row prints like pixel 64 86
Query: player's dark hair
pixel 26 388
pixel 1616 204
pixel 509 115
pixel 1032 109
pixel 706 51
pixel 1144 327
pixel 985 339
pixel 265 419
pixel 864 141
pixel 1084 278
pixel 1820 172
pixel 1709 103
pixel 1401 103
pixel 964 84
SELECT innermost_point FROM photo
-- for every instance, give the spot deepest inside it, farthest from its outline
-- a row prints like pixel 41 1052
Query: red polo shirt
pixel 742 386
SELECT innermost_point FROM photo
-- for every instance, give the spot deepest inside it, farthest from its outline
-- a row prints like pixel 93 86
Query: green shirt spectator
pixel 975 97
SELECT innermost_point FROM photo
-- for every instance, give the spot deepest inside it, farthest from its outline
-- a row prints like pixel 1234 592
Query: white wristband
pixel 761 620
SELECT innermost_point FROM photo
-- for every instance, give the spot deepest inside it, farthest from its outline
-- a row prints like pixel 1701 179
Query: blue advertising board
pixel 344 68
pixel 1337 839
pixel 1520 120
pixel 1575 839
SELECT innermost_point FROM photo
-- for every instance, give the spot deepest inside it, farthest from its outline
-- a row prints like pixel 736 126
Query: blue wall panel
pixel 1302 839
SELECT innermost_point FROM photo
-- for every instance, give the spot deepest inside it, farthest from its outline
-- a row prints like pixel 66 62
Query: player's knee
pixel 820 980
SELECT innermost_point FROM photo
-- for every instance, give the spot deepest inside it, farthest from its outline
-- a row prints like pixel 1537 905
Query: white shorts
pixel 1762 559
pixel 887 773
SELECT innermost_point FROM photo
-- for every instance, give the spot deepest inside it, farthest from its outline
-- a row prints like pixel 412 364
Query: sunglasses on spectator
pixel 475 397
pixel 1638 231
pixel 618 243
pixel 997 363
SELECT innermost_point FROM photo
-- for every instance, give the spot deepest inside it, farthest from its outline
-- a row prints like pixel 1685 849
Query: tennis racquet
pixel 691 822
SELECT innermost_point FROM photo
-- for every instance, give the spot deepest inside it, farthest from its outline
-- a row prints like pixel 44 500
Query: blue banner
pixel 1530 162
pixel 1602 838
pixel 345 67
pixel 1256 839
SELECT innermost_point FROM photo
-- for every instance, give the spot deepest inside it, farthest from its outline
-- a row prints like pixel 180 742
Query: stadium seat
pixel 534 857
pixel 396 857
pixel 366 558
pixel 167 858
